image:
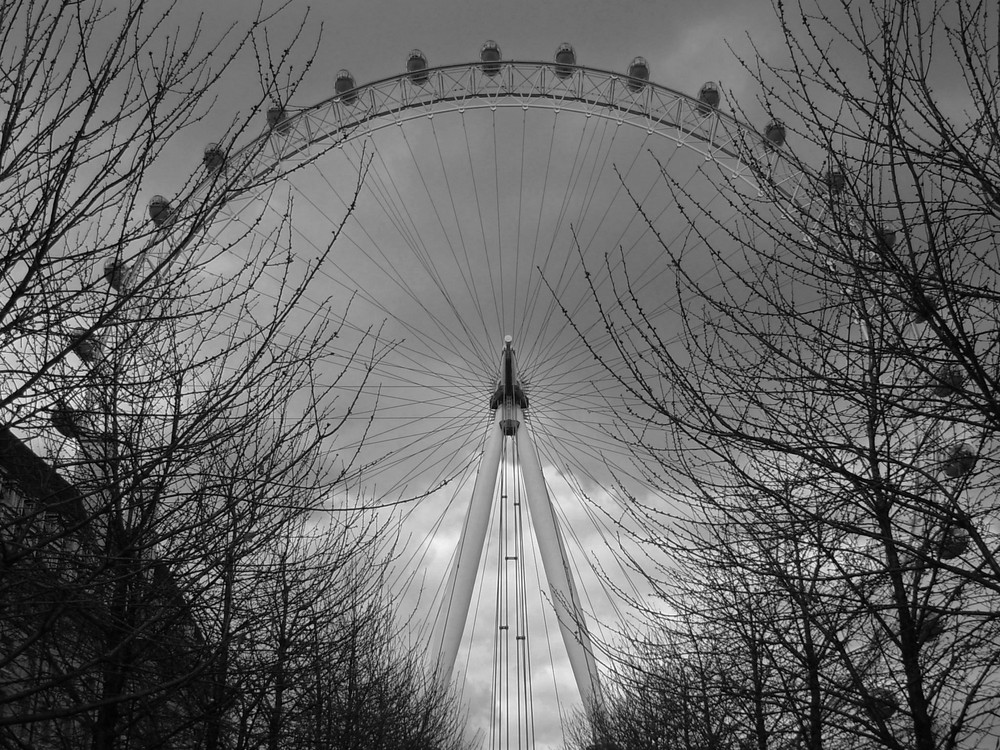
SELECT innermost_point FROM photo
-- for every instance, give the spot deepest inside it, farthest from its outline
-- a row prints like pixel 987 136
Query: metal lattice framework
pixel 297 138
pixel 303 135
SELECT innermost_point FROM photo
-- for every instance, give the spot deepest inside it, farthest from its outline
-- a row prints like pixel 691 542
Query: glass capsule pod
pixel 931 628
pixel 947 380
pixel 565 60
pixel 954 542
pixel 67 421
pixel 708 98
pixel 774 133
pixel 278 120
pixel 214 158
pixel 416 66
pixel 835 180
pixel 344 86
pixel 85 345
pixel 115 273
pixel 961 460
pixel 922 307
pixel 883 702
pixel 638 75
pixel 160 211
pixel 490 56
pixel 884 237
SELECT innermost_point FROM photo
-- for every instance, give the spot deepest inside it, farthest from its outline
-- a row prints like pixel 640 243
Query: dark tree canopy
pixel 171 574
pixel 829 410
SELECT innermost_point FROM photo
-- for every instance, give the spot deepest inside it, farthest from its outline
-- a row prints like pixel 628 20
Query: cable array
pixel 468 227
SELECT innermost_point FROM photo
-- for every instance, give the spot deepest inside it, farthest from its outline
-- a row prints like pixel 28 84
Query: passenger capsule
pixel 214 158
pixel 565 59
pixel 638 74
pixel 115 273
pixel 947 380
pixel 922 307
pixel 774 133
pixel 85 345
pixel 277 120
pixel 885 237
pixel 67 421
pixel 344 86
pixel 160 211
pixel 961 460
pixel 931 628
pixel 708 98
pixel 490 54
pixel 954 542
pixel 416 66
pixel 882 702
pixel 835 180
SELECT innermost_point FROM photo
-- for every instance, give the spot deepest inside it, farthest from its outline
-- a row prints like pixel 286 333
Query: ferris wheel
pixel 485 216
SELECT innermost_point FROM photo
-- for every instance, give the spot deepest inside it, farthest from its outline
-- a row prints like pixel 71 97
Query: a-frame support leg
pixel 562 588
pixel 470 551
pixel 509 404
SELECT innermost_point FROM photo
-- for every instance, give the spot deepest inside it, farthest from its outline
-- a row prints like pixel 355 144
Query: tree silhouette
pixel 830 405
pixel 170 411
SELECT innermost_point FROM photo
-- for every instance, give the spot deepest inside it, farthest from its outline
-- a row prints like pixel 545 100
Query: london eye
pixel 485 214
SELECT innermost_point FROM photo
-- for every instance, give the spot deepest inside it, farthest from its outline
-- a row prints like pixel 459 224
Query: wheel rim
pixel 420 267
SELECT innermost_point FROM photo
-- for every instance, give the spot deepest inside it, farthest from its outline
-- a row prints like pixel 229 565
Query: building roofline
pixel 38 480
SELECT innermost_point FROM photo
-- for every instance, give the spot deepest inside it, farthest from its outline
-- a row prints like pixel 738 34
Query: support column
pixel 562 589
pixel 470 551
pixel 509 403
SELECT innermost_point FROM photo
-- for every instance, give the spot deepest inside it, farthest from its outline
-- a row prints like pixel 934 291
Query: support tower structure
pixel 509 404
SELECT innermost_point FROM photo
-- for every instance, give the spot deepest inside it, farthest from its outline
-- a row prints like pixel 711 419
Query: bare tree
pixel 671 691
pixel 322 665
pixel 171 403
pixel 831 404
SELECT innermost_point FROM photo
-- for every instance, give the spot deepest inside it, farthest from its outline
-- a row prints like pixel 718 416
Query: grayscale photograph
pixel 465 375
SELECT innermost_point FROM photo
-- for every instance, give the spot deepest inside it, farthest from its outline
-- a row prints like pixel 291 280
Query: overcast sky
pixel 686 43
